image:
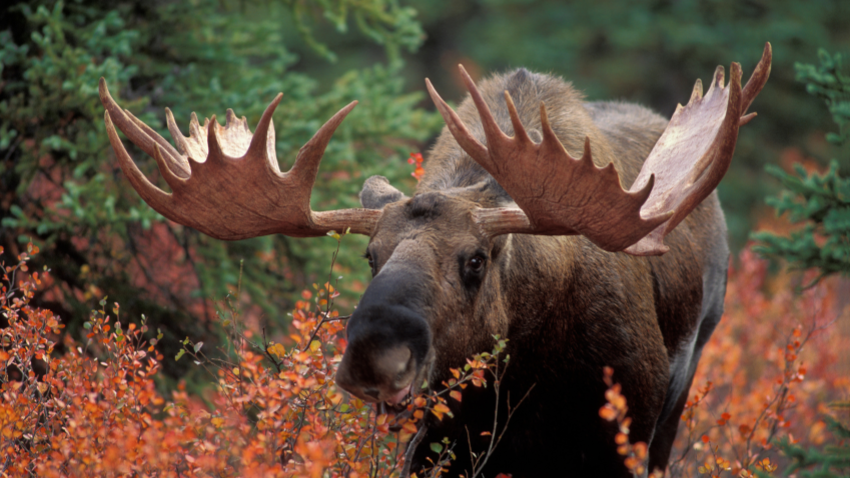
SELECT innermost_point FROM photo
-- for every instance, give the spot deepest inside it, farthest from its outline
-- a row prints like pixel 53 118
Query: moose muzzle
pixel 388 340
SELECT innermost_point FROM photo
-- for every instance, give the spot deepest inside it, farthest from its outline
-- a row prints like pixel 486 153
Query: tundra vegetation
pixel 100 392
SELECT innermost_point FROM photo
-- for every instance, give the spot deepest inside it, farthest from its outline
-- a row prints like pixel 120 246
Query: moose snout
pixel 378 376
pixel 385 354
pixel 388 340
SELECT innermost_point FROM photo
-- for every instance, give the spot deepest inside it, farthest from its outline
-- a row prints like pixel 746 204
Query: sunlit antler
pixel 226 182
pixel 695 151
pixel 560 195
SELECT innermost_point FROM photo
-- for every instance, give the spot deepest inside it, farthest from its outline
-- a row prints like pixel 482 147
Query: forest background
pixel 61 189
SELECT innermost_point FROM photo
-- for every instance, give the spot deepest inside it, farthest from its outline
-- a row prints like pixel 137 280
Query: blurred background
pixel 61 188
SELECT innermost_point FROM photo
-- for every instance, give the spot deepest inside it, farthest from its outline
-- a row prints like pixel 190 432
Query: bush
pixel 771 365
pixel 274 410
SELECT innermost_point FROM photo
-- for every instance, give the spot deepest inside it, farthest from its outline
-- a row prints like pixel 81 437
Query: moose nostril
pixel 372 392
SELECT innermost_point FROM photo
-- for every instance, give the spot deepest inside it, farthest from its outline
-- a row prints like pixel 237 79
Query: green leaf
pixel 436 448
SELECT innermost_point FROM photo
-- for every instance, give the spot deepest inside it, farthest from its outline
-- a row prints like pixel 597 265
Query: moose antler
pixel 560 195
pixel 226 182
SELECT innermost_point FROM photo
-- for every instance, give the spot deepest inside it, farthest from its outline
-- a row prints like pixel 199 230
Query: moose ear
pixel 377 193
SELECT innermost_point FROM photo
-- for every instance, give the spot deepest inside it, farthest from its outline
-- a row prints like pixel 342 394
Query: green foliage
pixel 832 461
pixel 827 82
pixel 821 202
pixel 384 22
pixel 62 188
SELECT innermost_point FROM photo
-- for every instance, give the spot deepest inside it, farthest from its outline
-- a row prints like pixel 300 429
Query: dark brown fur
pixel 567 307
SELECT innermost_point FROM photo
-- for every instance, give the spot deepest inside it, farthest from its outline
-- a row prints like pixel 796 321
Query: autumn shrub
pixel 767 376
pixel 273 410
pixel 768 372
pixel 772 379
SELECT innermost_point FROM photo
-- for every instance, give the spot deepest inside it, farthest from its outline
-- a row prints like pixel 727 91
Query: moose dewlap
pixel 587 233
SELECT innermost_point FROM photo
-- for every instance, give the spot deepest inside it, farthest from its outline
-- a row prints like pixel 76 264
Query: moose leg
pixel 714 293
pixel 665 434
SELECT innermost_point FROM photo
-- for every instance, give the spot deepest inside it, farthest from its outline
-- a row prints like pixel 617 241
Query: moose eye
pixel 475 263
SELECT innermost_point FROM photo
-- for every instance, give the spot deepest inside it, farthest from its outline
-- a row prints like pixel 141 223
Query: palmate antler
pixel 560 195
pixel 226 182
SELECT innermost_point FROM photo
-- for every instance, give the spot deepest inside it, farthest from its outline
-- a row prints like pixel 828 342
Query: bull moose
pixel 617 258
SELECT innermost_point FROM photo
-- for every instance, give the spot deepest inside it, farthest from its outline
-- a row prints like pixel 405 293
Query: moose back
pixel 586 233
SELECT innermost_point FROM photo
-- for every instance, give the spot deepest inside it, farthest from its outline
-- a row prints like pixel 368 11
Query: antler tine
pixel 464 138
pixel 182 145
pixel 233 188
pixel 170 177
pixel 155 197
pixel 262 143
pixel 216 156
pixel 307 162
pixel 756 82
pixel 495 136
pixel 697 91
pixel 138 132
pixel 520 134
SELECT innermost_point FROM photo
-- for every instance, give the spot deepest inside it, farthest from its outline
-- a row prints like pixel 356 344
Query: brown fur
pixel 567 307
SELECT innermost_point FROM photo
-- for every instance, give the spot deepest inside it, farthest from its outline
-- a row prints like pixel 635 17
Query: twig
pixel 326 314
pixel 411 448
pixel 325 319
pixel 266 351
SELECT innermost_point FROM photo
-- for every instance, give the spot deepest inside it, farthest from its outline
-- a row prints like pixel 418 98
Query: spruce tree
pixel 821 202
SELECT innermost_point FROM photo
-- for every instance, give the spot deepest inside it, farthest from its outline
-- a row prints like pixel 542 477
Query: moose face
pixel 424 310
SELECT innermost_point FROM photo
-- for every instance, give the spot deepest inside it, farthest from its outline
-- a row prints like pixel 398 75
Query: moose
pixel 586 233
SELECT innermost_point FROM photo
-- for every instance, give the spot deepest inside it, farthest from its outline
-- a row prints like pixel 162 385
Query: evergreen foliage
pixel 61 186
pixel 821 202
pixel 831 461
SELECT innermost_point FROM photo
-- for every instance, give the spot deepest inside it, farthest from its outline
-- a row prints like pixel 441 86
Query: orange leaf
pixel 608 413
